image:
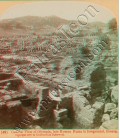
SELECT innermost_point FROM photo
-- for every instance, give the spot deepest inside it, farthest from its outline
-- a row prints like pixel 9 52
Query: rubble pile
pixel 110 116
pixel 54 82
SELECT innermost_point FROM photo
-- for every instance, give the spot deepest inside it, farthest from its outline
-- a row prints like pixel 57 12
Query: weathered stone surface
pixel 18 96
pixel 111 124
pixel 6 98
pixel 36 127
pixel 44 91
pixel 88 118
pixel 45 109
pixel 105 117
pixel 102 128
pixel 61 112
pixel 79 102
pixel 65 63
pixel 114 94
pixel 67 103
pixel 114 113
pixel 99 99
pixel 111 80
pixel 34 117
pixel 88 107
pixel 98 105
pixel 109 107
pixel 85 118
pixel 62 118
pixel 85 115
pixel 85 93
pixel 13 104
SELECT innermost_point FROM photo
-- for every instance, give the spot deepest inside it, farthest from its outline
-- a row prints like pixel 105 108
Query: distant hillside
pixel 28 22
pixel 43 25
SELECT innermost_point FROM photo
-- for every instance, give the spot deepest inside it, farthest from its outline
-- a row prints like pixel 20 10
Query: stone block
pixel 19 96
pixel 6 98
pixel 114 114
pixel 60 113
pixel 98 105
pixel 79 102
pixel 114 94
pixel 105 117
pixel 89 118
pixel 44 91
pixel 110 124
pixel 13 104
pixel 61 118
pixel 109 107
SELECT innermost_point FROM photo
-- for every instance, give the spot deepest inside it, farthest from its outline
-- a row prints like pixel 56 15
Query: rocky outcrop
pixel 105 117
pixel 109 107
pixel 110 117
pixel 61 119
pixel 114 94
pixel 110 124
pixel 114 114
pixel 86 115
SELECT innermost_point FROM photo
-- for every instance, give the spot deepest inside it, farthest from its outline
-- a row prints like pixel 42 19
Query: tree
pixel 112 24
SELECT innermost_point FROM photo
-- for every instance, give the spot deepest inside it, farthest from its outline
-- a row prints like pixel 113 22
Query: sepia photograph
pixel 58 66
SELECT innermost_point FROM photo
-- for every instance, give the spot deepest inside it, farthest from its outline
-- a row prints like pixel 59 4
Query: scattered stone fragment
pixel 110 124
pixel 61 112
pixel 88 118
pixel 114 114
pixel 109 107
pixel 114 94
pixel 105 117
pixel 79 102
pixel 6 98
pixel 13 104
pixel 88 107
pixel 36 127
pixel 18 96
pixel 102 128
pixel 98 105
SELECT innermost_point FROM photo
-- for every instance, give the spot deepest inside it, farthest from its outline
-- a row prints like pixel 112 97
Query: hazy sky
pixel 68 10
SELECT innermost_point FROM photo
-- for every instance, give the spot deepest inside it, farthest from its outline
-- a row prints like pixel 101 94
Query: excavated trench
pixel 81 108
